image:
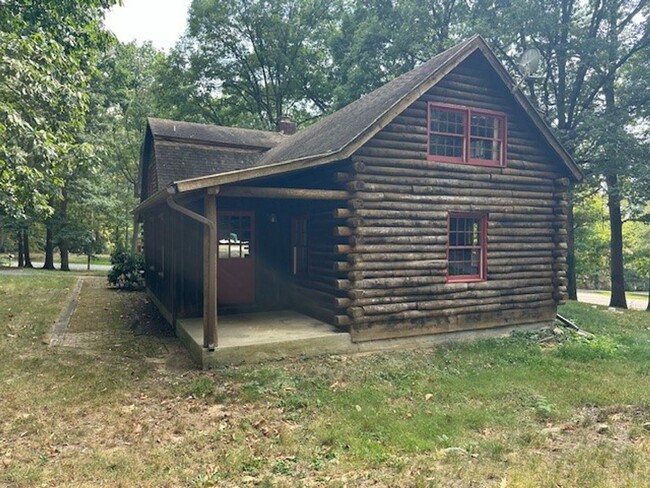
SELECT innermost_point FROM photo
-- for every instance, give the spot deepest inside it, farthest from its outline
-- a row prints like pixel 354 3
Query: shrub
pixel 127 271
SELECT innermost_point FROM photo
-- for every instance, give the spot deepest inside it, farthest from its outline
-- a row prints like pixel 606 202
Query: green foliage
pixel 127 271
pixel 47 51
pixel 201 388
pixel 250 62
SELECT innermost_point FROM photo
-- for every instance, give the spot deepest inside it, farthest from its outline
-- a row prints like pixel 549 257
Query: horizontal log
pixel 406 256
pixel 341 231
pixel 342 320
pixel 341 302
pixel 380 300
pixel 520 275
pixel 512 261
pixel 397 265
pixel 520 246
pixel 468 309
pixel 342 248
pixel 283 193
pixel 410 281
pixel 426 216
pixel 410 240
pixel 516 238
pixel 447 304
pixel 359 293
pixel 456 322
pixel 341 213
pixel 355 185
pixel 460 191
pixel 455 171
pixel 359 275
pixel 509 268
pixel 401 227
pixel 516 204
pixel 397 248
pixel 342 284
pixel 342 266
pixel 477 295
pixel 389 176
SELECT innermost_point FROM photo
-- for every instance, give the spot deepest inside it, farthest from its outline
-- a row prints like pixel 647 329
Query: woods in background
pixel 72 113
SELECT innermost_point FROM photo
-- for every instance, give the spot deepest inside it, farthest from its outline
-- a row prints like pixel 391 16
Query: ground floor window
pixel 299 240
pixel 467 249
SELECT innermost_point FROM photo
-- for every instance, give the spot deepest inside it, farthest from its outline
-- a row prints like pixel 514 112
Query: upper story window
pixel 466 135
pixel 467 247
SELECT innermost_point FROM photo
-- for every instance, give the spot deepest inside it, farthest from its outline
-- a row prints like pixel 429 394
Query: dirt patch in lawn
pixel 108 320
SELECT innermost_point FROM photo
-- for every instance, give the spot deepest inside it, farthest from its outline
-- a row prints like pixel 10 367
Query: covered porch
pixel 261 336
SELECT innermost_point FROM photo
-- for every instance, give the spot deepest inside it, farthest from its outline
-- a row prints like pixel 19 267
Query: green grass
pixel 521 411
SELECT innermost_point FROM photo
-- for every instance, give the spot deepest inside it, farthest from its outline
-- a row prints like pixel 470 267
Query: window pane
pixel 485 126
pixel 449 146
pixel 484 149
pixel 447 121
pixel 465 246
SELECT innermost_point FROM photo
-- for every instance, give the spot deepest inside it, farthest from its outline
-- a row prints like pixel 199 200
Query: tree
pixel 46 52
pixel 253 61
pixel 586 46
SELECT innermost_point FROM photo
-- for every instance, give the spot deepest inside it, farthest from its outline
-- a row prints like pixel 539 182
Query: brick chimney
pixel 286 126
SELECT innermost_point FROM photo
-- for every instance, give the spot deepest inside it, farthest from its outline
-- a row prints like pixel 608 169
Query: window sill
pixel 465 279
pixel 471 162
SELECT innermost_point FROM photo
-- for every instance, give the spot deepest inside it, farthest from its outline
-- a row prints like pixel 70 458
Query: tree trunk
pixel 64 244
pixel 88 264
pixel 65 255
pixel 616 243
pixel 21 251
pixel 49 248
pixel 28 259
pixel 648 307
pixel 572 287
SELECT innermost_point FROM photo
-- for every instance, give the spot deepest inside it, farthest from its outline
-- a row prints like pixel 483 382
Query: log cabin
pixel 435 204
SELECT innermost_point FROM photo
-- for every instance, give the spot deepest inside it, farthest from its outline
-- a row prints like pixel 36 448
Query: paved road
pixel 73 266
pixel 596 298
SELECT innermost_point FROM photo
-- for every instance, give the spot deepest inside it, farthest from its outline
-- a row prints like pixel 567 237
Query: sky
pixel 160 21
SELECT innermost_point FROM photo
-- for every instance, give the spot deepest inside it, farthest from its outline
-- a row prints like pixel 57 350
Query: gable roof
pixel 185 150
pixel 338 135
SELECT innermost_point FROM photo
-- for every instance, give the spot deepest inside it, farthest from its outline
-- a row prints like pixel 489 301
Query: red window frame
pixel 482 247
pixel 466 158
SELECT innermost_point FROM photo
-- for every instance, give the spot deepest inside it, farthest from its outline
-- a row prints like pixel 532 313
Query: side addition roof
pixel 185 150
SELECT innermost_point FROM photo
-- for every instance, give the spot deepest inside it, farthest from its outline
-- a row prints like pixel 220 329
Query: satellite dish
pixel 529 62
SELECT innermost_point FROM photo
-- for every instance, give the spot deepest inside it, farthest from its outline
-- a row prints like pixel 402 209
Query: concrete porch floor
pixel 254 337
pixel 257 337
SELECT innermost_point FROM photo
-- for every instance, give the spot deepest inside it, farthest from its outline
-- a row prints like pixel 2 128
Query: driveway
pixel 602 298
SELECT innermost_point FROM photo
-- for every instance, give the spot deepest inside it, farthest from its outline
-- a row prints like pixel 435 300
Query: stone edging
pixel 63 321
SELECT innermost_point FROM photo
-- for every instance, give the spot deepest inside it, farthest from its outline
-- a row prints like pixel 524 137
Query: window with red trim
pixel 466 135
pixel 467 247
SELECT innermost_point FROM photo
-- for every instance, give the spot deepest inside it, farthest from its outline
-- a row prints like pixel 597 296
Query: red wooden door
pixel 236 265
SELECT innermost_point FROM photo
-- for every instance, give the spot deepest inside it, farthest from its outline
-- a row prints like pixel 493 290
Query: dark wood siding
pixel 398 221
pixel 174 254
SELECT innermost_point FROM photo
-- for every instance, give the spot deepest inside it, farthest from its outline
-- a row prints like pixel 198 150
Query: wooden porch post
pixel 210 249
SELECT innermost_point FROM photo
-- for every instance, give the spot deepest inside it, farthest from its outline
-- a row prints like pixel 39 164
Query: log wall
pixel 397 223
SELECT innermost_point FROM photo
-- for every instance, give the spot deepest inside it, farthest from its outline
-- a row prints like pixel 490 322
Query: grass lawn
pixel 527 411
